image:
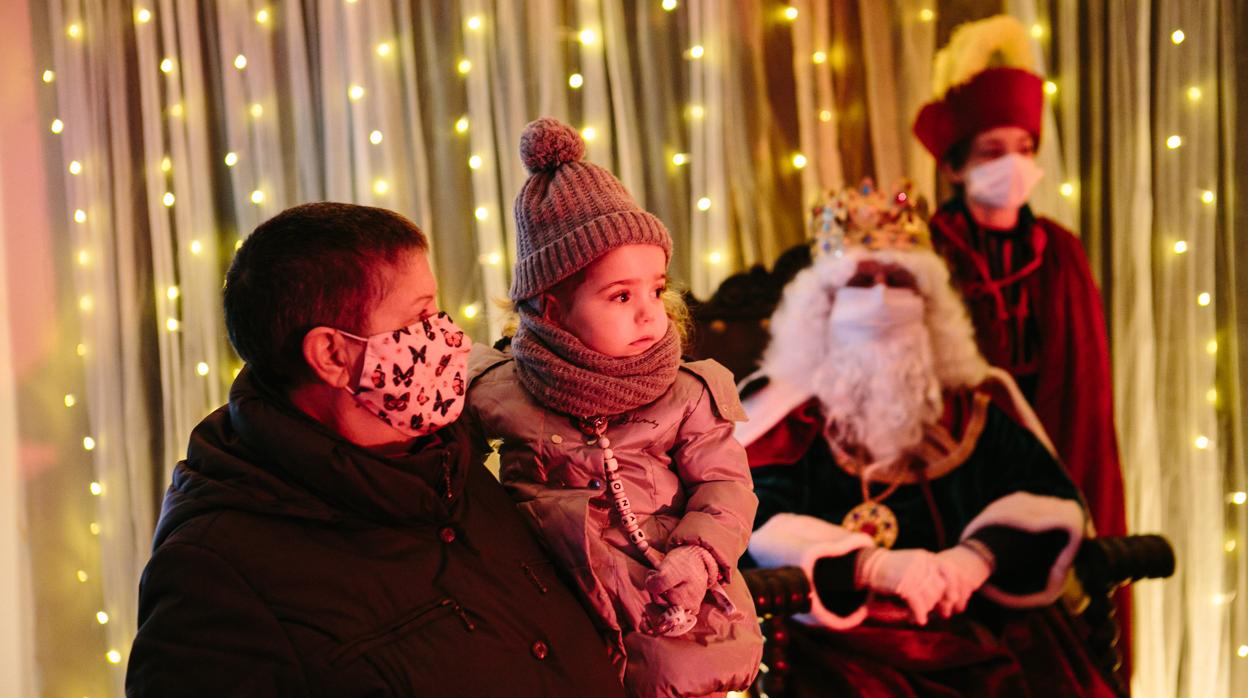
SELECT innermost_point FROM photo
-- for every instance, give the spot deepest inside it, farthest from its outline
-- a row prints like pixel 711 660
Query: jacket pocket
pixel 424 615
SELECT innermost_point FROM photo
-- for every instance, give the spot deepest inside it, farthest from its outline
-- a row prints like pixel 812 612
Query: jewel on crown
pixel 876 219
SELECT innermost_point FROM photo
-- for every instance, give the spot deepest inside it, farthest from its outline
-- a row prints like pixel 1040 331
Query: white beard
pixel 880 393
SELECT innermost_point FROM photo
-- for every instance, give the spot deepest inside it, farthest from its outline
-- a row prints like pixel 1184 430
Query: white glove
pixel 964 570
pixel 683 577
pixel 911 574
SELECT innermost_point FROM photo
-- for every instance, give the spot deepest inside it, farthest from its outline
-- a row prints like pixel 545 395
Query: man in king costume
pixel 909 480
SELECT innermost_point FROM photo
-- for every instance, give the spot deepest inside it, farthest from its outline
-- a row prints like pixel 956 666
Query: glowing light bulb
pixel 1239 498
pixel 257 197
pixel 231 159
pixel 461 125
pixel 166 164
pixel 696 51
pixel 1201 442
pixel 474 162
pixel 1050 87
pixel 82 575
pixel 588 37
pixel 1037 31
pixel 1177 36
pixel 142 15
pixel 86 304
pixel 70 400
pixel 48 76
pixel 1211 395
pixel 383 49
pixel 256 110
pixel 175 110
pixel 704 204
pixel 262 17
pixel 114 657
pixel 1203 299
pixel 172 324
pixel 926 14
pixel 201 368
pixel 715 257
pixel 240 61
pixel 166 66
pixel 102 618
pixel 75 167
pixel 819 57
pixel 494 259
pixel 790 13
pixel 799 160
pixel 84 257
pixel 668 5
pixel 589 133
pixel 80 216
pixel 74 30
pixel 375 137
pixel 80 349
pixel 481 213
pixel 697 111
pixel 1207 197
pixel 1194 93
pixel 1174 141
pixel 1211 346
pixel 94 528
pixel 167 199
pixel 470 311
pixel 88 443
pixel 355 93
pixel 1066 189
pixel 1242 651
pixel 825 115
pixel 680 159
pixel 381 186
pixel 575 80
pixel 172 293
pixel 196 247
pixel 96 488
pixel 1230 545
pixel 473 23
pixel 1180 246
pixel 464 66
pixel 238 244
pixel 57 126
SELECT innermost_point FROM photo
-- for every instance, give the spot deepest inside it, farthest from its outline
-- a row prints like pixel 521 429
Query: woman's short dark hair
pixel 319 264
pixel 958 154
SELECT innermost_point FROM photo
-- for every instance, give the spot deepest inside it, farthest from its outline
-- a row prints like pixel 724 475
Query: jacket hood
pixel 260 454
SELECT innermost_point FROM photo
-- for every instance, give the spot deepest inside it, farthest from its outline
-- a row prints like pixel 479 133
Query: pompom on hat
pixel 570 212
pixel 984 78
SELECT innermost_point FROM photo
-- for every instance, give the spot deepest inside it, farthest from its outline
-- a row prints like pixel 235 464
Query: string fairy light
pixel 576 80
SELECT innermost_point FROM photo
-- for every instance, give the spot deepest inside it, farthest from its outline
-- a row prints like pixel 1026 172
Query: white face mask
pixel 414 377
pixel 864 314
pixel 1004 183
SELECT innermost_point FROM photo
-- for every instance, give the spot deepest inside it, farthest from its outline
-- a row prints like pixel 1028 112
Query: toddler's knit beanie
pixel 570 212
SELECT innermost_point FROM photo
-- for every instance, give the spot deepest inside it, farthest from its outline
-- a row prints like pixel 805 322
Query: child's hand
pixel 683 577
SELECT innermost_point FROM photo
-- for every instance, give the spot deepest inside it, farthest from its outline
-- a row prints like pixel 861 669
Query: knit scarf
pixel 566 376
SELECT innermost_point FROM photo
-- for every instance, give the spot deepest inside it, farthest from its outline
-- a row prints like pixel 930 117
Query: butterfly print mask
pixel 410 364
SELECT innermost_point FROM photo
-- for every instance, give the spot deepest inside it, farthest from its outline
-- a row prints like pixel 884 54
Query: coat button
pixel 447 534
pixel 594 484
pixel 555 438
pixel 539 649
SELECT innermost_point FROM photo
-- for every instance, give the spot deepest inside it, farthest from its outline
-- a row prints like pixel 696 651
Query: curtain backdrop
pixel 171 128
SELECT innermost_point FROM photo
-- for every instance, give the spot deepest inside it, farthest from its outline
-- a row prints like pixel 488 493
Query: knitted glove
pixel 911 574
pixel 964 569
pixel 683 577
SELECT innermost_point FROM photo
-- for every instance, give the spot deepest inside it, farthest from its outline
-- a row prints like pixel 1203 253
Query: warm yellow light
pixel 238 244
pixel 57 126
pixel 1239 498
pixel 381 186
pixel 74 30
pixel 1050 87
pixel 825 115
pixel 1211 395
pixel 48 76
pixel 80 349
pixel 588 37
pixel 464 66
pixel 70 400
pixel 481 213
pixel 201 368
pixel 715 257
pixel 1230 545
pixel 704 204
pixel 166 164
pixel 473 23
pixel 494 259
pixel 696 51
pixel 88 443
pixel 589 133
pixel 1207 197
pixel 355 93
pixel 575 80
pixel 84 257
pixel 94 528
pixel 167 199
pixel 680 159
pixel 668 5
pixel 142 15
pixel 1177 36
pixel 799 160
pixel 470 311
pixel 1037 31
pixel 256 110
pixel 175 110
pixel 1201 442
pixel 86 304
pixel 172 324
pixel 819 57
pixel 196 247
pixel 80 216
pixel 1242 651
pixel 235 371
pixel 697 111
pixel 166 66
pixel 82 575
pixel 375 137
pixel 96 489
pixel 231 159
pixel 1180 246
pixel 383 49
pixel 1174 141
pixel 790 13
pixel 926 14
pixel 75 167
pixel 257 197
pixel 474 162
pixel 240 61
pixel 114 657
pixel 172 293
pixel 461 125
pixel 262 17
pixel 1211 346
pixel 1203 299
pixel 101 618
pixel 1194 94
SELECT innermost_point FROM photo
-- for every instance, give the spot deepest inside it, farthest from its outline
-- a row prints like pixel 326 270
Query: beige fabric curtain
pixel 182 125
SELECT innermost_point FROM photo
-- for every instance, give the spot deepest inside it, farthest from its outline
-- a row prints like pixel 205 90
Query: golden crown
pixel 864 216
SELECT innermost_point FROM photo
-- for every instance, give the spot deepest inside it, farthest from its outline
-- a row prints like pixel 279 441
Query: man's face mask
pixel 1004 183
pixel 414 377
pixel 875 301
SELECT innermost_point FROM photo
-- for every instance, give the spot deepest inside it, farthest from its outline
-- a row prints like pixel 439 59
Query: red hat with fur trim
pixel 983 79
